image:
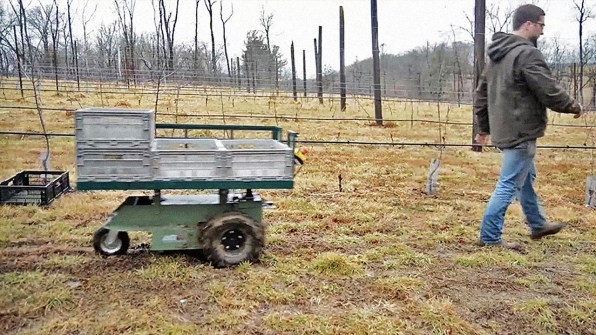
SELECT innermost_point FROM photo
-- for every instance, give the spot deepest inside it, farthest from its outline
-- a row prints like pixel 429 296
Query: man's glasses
pixel 540 23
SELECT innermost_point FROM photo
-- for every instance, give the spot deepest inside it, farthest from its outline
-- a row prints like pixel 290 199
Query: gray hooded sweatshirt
pixel 514 91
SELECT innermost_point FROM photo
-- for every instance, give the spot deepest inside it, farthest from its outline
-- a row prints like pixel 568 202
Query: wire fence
pixel 292 117
pixel 347 142
pixel 448 87
pixel 155 91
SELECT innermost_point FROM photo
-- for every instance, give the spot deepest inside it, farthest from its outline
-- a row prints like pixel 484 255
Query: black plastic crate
pixel 34 187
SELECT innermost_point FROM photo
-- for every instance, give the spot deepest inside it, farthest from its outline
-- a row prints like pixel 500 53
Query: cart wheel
pixel 118 247
pixel 232 238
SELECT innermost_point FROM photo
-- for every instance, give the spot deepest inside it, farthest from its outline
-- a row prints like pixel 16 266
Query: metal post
pixel 479 45
pixel 320 68
pixel 294 92
pixel 16 44
pixel 376 65
pixel 304 70
pixel 342 62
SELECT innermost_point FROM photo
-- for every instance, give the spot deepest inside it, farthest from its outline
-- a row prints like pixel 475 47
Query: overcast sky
pixel 403 24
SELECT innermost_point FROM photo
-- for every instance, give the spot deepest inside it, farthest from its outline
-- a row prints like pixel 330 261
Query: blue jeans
pixel 517 179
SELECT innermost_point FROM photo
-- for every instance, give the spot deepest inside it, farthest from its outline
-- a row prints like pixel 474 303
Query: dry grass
pixel 377 257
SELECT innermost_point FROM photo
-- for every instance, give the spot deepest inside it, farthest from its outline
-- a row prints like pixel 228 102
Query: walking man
pixel 512 96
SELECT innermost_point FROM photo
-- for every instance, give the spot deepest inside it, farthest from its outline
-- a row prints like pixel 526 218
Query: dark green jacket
pixel 514 91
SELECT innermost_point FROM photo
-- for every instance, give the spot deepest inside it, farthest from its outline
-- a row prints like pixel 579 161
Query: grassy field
pixel 376 256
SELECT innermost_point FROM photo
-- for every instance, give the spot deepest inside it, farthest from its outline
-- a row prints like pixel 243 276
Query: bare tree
pixel 54 26
pixel 106 46
pixel 35 81
pixel 498 17
pixel 591 59
pixel 195 56
pixel 18 59
pixel 125 19
pixel 266 21
pixel 65 38
pixel 225 41
pixel 458 75
pixel 85 19
pixel 209 5
pixel 583 14
pixel 258 57
pixel 470 28
pixel 556 55
pixel 160 41
pixel 71 39
pixel 5 43
pixel 38 19
pixel 168 29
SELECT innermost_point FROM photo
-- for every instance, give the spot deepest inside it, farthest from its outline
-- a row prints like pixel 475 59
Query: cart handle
pixel 292 138
pixel 275 131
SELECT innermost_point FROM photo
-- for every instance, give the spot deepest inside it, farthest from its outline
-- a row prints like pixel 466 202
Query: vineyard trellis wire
pixel 181 84
pixel 59 79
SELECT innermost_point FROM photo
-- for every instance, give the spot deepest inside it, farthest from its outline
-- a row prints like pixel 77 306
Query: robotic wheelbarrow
pixel 226 223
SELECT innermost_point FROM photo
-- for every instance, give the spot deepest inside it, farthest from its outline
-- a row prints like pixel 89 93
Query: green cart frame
pixel 227 226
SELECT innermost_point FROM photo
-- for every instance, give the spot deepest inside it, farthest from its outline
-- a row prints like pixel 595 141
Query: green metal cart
pixel 227 226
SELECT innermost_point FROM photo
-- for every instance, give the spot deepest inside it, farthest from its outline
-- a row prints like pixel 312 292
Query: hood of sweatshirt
pixel 503 43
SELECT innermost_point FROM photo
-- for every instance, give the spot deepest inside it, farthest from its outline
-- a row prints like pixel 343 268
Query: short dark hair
pixel 526 13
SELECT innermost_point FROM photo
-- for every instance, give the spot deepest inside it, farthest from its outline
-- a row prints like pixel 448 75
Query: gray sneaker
pixel 548 229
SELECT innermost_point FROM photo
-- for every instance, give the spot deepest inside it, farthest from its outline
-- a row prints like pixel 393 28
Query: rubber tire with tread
pixel 102 233
pixel 214 230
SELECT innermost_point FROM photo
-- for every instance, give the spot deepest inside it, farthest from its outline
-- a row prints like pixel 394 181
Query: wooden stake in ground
pixel 432 181
pixel 591 192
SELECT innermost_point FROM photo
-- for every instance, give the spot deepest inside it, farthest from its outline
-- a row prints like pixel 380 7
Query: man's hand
pixel 579 110
pixel 482 139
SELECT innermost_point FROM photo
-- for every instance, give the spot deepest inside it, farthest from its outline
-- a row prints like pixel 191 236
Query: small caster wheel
pixel 110 243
